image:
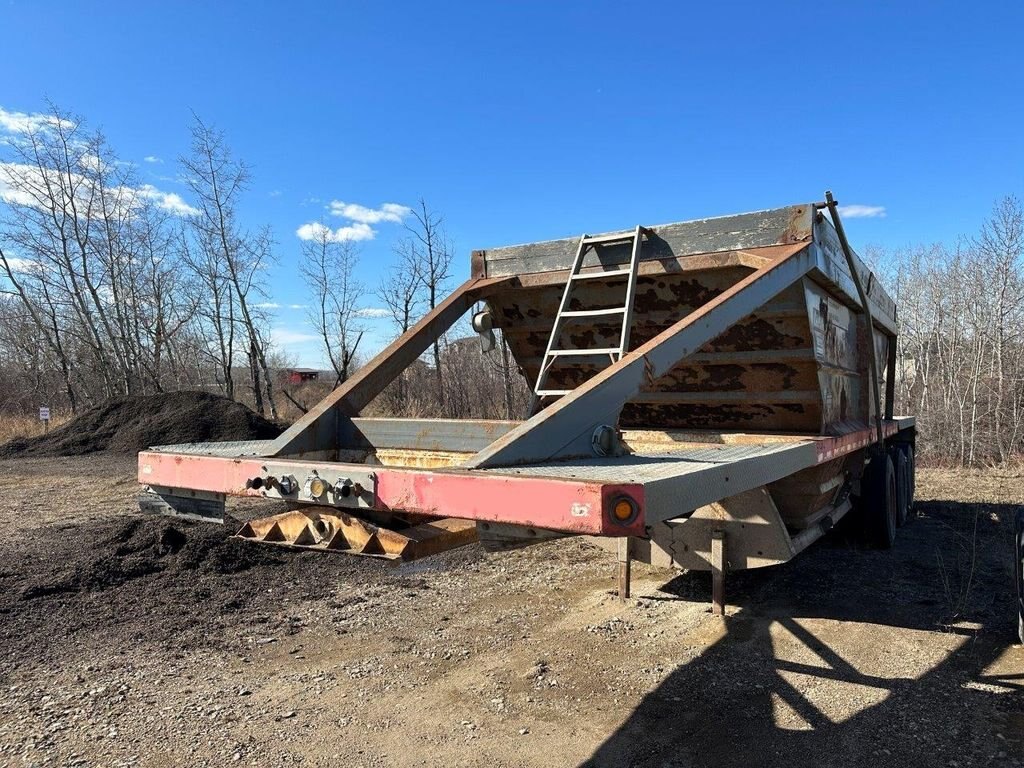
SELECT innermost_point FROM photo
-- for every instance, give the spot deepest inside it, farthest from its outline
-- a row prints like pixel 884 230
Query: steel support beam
pixel 718 573
pixel 566 428
pixel 328 425
pixel 624 566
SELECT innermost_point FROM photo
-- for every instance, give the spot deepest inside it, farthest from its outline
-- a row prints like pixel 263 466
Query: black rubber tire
pixel 908 449
pixel 878 502
pixel 1018 562
pixel 902 465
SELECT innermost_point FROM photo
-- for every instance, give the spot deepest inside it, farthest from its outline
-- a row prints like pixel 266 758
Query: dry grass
pixel 13 426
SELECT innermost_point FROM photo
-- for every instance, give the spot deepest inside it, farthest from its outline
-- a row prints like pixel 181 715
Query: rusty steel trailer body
pixel 731 432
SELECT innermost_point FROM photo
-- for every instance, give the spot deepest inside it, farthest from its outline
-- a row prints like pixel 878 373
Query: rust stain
pixel 759 334
pixel 799 228
pixel 771 417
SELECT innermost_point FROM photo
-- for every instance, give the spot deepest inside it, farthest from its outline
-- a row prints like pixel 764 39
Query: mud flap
pixel 205 507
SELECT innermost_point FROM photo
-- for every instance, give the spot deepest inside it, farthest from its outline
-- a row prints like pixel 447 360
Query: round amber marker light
pixel 623 509
pixel 317 487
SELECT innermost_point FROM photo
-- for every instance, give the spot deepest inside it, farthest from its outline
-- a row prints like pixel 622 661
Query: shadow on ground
pixel 850 627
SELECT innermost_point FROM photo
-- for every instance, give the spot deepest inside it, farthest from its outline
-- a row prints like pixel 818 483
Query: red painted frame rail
pixel 575 506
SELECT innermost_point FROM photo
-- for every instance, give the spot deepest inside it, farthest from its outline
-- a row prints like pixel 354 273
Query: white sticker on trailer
pixel 579 510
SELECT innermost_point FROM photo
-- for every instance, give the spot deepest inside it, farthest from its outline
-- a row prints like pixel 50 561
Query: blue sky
pixel 525 121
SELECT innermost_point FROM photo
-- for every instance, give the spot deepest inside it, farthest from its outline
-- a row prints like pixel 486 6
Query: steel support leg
pixel 624 566
pixel 718 573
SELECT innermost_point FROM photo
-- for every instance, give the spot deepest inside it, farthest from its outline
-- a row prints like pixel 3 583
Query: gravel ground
pixel 129 641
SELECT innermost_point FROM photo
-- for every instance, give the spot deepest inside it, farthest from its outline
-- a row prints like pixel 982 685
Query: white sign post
pixel 44 416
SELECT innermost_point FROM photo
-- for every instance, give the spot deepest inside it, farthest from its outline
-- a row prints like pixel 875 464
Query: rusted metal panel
pixel 768 354
pixel 566 427
pixel 782 226
pixel 800 495
pixel 835 332
pixel 771 417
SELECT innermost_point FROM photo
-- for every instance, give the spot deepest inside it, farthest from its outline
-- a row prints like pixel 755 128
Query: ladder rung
pixel 605 239
pixel 582 352
pixel 601 275
pixel 552 392
pixel 594 312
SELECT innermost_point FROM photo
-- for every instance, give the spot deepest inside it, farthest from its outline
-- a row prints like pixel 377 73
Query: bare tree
pixel 428 246
pixel 961 314
pixel 400 293
pixel 217 181
pixel 329 266
pixel 400 288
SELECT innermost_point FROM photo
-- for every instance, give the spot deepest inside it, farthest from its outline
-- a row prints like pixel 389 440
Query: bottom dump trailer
pixel 710 395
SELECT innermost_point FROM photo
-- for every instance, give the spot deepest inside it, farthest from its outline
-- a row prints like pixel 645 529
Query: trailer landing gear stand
pixel 718 573
pixel 624 566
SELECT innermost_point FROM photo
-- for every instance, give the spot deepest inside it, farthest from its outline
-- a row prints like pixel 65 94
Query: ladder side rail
pixel 627 317
pixel 548 360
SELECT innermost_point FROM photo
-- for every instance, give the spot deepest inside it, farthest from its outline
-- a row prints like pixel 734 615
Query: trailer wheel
pixel 1018 563
pixel 903 492
pixel 908 450
pixel 879 501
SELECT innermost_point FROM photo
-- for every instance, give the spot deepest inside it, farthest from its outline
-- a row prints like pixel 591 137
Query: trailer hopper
pixel 712 394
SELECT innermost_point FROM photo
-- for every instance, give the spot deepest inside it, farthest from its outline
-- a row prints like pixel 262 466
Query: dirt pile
pixel 139 548
pixel 132 424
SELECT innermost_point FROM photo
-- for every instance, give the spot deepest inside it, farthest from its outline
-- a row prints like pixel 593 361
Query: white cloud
pixel 296 306
pixel 30 176
pixel 314 230
pixel 392 212
pixel 20 122
pixel 22 266
pixel 862 211
pixel 361 218
pixel 9 194
pixel 171 202
pixel 268 305
pixel 286 336
pixel 152 159
pixel 374 312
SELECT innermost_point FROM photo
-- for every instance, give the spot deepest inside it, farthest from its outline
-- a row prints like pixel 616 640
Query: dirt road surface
pixel 132 641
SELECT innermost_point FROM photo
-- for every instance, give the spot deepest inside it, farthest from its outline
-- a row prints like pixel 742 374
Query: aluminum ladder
pixel 552 353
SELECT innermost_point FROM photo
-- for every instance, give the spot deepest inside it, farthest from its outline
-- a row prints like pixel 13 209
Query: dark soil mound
pixel 141 547
pixel 187 585
pixel 132 424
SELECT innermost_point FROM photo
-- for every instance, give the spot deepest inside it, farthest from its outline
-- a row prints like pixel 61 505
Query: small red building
pixel 300 375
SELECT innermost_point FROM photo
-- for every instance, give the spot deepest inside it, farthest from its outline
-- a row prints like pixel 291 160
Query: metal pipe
pixel 833 209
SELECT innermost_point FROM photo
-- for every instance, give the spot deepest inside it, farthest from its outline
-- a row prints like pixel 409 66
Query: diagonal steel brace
pixel 328 425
